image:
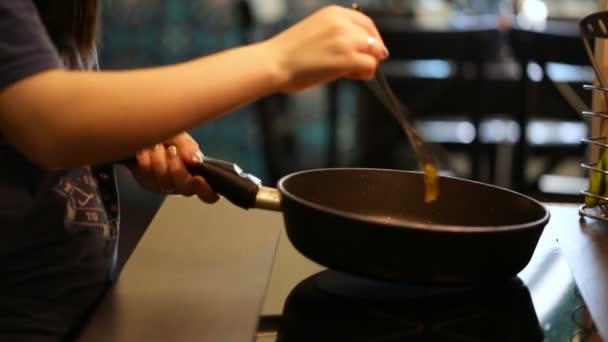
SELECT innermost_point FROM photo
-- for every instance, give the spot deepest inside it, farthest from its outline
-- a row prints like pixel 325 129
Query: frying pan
pixel 374 222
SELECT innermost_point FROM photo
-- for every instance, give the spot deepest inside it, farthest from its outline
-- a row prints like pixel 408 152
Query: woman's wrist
pixel 272 63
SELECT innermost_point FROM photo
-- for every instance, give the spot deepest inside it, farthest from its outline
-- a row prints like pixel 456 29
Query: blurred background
pixel 494 85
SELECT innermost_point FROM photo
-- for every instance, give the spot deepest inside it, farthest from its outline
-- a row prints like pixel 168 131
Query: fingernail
pixel 386 53
pixel 156 147
pixel 172 151
pixel 198 157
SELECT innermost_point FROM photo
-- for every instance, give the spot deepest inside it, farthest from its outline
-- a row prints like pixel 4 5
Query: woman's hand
pixel 332 43
pixel 163 168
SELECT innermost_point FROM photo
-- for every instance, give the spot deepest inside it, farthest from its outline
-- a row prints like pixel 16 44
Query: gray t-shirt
pixel 58 228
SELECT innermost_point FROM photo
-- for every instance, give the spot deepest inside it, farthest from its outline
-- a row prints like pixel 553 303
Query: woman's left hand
pixel 163 168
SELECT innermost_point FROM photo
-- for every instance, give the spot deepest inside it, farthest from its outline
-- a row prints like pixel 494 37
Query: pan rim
pixel 414 225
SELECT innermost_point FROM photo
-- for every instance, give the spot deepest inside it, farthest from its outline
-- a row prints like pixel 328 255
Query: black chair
pixel 560 42
pixel 467 46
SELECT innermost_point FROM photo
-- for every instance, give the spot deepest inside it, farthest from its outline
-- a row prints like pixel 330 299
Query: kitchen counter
pixel 204 273
pixel 584 243
pixel 198 274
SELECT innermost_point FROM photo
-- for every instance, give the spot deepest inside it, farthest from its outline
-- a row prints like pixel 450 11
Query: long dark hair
pixel 72 25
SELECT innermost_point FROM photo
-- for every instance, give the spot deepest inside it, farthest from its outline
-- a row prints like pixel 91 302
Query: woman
pixel 61 126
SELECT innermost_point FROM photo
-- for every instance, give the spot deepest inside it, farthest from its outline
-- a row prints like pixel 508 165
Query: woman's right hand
pixel 332 43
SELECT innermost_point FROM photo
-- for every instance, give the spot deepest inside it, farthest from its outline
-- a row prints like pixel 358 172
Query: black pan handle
pixel 225 178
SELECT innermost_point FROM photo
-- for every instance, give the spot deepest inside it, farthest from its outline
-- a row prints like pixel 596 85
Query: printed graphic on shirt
pixel 85 207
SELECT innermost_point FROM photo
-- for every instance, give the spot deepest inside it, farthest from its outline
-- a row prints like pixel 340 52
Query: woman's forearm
pixel 61 119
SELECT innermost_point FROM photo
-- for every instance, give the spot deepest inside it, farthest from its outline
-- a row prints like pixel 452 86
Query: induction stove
pixel 306 302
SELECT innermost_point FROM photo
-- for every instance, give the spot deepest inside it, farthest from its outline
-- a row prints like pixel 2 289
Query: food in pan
pixel 431 183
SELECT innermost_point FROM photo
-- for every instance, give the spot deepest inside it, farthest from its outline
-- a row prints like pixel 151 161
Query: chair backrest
pixel 466 45
pixel 561 43
pixel 472 40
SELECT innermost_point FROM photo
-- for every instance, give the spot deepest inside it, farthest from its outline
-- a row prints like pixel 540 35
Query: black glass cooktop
pixel 308 303
pixel 330 306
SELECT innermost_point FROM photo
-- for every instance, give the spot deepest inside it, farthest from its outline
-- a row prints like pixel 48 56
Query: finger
pixel 365 67
pixel 370 27
pixel 178 172
pixel 203 190
pixel 369 44
pixel 143 170
pixel 143 160
pixel 160 168
pixel 188 149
